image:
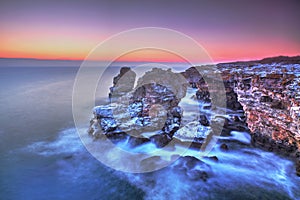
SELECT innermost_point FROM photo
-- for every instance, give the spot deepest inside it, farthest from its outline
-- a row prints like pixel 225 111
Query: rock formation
pixel 272 110
pixel 268 92
pixel 123 82
pixel 152 106
pixel 262 97
pixel 192 168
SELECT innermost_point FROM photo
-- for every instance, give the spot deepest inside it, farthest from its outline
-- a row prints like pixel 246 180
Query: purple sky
pixel 229 30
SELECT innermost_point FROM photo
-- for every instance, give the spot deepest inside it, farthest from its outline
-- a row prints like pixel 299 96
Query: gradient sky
pixel 228 30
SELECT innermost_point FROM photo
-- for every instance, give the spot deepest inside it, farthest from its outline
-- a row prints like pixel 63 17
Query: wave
pixel 67 142
pixel 241 172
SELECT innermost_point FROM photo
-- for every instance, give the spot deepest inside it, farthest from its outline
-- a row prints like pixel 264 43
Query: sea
pixel 42 156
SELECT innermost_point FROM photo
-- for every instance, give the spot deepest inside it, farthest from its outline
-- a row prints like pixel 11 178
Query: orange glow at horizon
pixel 48 44
pixel 153 55
pixel 75 45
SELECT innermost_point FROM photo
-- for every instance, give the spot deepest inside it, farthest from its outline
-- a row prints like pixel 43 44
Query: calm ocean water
pixel 42 156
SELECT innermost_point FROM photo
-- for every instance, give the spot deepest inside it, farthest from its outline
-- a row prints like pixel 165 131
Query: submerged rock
pixel 116 136
pixel 192 168
pixel 204 121
pixel 137 141
pixel 298 167
pixel 224 147
pixel 161 140
pixel 213 158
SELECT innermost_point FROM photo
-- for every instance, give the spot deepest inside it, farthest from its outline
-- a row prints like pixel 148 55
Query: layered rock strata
pixel 270 96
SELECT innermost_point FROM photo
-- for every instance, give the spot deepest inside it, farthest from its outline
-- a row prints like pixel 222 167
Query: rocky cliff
pixel 268 92
pixel 270 96
pixel 262 97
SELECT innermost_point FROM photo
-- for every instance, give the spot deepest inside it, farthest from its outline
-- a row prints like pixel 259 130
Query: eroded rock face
pixel 270 96
pixel 272 107
pixel 123 82
pixel 261 96
pixel 268 92
pixel 235 119
pixel 152 106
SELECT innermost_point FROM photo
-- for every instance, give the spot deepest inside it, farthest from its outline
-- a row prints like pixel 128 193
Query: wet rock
pixel 152 94
pixel 203 120
pixel 161 140
pixel 207 107
pixel 177 112
pixel 192 168
pixel 116 136
pixel 68 157
pixel 192 131
pixel 104 116
pixel 151 106
pixel 195 174
pixel 91 130
pixel 213 158
pixel 172 125
pixel 224 147
pixel 108 124
pixel 203 95
pixel 152 163
pixel 298 167
pixel 297 154
pixel 174 82
pixel 196 144
pixel 279 146
pixel 137 141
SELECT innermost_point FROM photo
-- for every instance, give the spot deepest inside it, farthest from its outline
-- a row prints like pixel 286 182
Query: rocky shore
pixel 272 107
pixel 262 97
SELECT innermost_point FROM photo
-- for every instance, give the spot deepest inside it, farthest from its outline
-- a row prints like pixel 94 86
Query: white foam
pixel 242 166
pixel 67 142
pixel 243 137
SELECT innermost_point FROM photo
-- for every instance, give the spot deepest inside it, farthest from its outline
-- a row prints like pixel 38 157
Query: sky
pixel 228 30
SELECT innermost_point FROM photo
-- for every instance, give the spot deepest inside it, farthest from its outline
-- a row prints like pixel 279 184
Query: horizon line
pixel 126 61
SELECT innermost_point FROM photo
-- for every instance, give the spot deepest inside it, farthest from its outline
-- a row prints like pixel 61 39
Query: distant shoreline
pixel 34 62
